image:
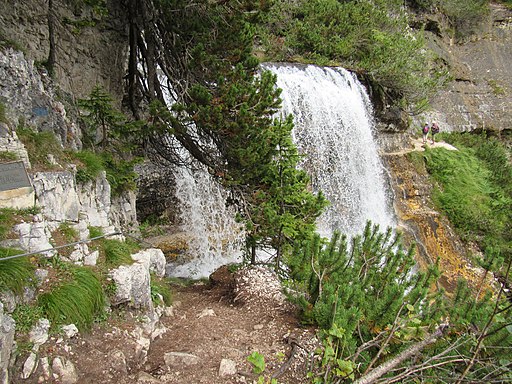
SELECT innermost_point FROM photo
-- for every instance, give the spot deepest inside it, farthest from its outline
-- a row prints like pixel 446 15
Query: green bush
pixel 78 300
pixel 16 273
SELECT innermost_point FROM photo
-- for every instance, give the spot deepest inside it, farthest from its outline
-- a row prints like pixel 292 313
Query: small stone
pixel 65 370
pixel 206 312
pixel 39 333
pixel 258 327
pixel 179 359
pixel 70 330
pixel 29 366
pixel 227 368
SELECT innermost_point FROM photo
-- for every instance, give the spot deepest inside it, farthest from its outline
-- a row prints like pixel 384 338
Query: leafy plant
pixel 26 317
pixel 15 273
pixel 258 362
pixel 76 301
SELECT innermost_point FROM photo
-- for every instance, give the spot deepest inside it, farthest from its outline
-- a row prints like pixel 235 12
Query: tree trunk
pixel 50 62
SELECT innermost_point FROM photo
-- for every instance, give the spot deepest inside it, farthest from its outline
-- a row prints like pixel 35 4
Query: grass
pixel 9 217
pixel 39 146
pixel 26 317
pixel 117 252
pixel 6 156
pixel 78 300
pixel 474 190
pixel 160 291
pixel 15 274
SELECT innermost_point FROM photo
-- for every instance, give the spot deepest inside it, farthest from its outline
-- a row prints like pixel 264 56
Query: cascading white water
pixel 333 130
pixel 215 238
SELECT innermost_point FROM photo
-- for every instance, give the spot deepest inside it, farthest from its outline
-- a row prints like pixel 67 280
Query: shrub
pixel 78 300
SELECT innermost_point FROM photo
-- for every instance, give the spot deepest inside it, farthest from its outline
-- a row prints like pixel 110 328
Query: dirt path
pixel 206 324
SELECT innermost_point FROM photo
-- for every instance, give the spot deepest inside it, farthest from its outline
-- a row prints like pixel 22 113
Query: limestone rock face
pixel 481 94
pixel 30 101
pixel 7 328
pixel 56 194
pixel 132 285
pixel 153 259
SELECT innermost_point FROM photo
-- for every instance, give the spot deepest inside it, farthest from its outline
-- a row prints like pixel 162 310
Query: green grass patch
pixel 475 190
pixel 117 252
pixel 39 146
pixel 6 156
pixel 15 274
pixel 78 300
pixel 160 291
pixel 9 217
pixel 90 166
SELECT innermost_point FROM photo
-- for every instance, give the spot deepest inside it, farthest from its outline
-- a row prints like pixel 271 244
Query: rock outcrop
pixel 480 95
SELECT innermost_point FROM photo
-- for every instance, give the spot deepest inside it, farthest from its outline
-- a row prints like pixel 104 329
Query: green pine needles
pixel 78 300
pixel 382 318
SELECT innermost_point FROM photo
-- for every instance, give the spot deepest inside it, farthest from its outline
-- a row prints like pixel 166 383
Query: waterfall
pixel 215 238
pixel 334 131
pixel 334 126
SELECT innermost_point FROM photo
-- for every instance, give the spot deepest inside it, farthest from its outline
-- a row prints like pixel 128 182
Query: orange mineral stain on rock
pixel 421 224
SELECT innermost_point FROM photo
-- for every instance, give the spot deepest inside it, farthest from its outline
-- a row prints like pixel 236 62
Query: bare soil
pixel 203 321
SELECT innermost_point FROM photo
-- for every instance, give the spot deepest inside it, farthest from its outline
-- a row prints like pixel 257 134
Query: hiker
pixel 425 133
pixel 435 130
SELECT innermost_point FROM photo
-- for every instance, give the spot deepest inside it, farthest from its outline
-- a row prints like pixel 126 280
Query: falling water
pixel 333 130
pixel 215 238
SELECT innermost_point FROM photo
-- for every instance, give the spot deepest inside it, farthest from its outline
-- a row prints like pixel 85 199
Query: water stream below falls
pixel 334 131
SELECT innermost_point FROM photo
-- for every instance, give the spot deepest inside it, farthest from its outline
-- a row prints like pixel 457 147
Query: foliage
pixel 6 156
pixel 16 273
pixel 69 233
pixel 76 301
pixel 370 37
pixel 26 316
pixel 95 232
pixel 10 217
pixel 222 112
pixel 160 291
pixel 464 16
pixel 475 190
pixel 375 308
pixel 117 252
pixel 40 146
pixel 106 127
pixel 258 362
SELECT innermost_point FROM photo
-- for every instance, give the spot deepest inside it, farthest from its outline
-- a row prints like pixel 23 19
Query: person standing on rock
pixel 435 130
pixel 425 133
